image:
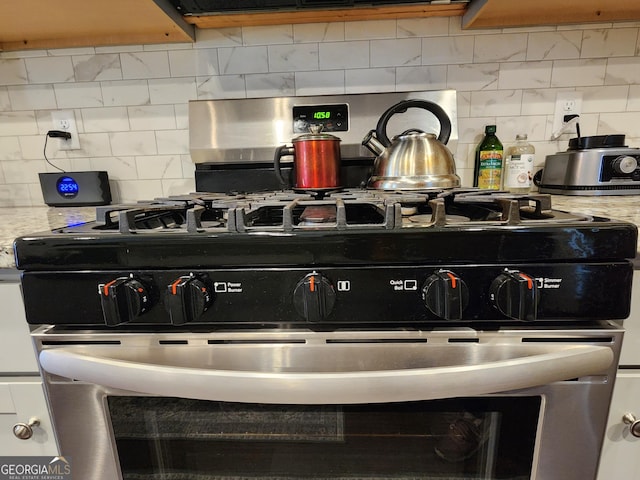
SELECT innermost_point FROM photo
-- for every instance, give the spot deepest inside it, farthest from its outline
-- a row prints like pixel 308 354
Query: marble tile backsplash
pixel 130 102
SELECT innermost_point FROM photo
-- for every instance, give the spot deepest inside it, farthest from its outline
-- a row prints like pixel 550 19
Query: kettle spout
pixel 372 143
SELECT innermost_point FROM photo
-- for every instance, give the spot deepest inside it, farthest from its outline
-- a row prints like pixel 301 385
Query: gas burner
pixel 314 214
pixel 424 219
pixel 318 193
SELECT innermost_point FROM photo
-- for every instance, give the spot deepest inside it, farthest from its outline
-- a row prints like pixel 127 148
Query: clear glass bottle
pixel 488 165
pixel 518 166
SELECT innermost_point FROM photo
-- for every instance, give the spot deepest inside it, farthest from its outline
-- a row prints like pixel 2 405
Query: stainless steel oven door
pixel 455 404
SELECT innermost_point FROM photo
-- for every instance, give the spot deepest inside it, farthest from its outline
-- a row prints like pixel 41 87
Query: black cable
pixel 58 134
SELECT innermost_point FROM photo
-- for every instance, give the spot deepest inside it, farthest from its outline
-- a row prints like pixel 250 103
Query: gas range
pixel 447 303
pixel 330 259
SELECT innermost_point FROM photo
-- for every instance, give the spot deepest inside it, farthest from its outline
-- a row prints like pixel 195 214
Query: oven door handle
pixel 276 387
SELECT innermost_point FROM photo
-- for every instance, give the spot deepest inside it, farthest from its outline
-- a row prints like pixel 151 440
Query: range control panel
pixel 331 118
pixel 344 296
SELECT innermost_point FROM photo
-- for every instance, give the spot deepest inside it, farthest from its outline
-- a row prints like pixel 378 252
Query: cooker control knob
pixel 314 297
pixel 123 299
pixel 187 299
pixel 445 295
pixel 515 294
pixel 625 164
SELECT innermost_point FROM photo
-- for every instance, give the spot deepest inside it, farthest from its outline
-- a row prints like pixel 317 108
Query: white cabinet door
pixel 22 399
pixel 631 344
pixel 621 451
pixel 17 354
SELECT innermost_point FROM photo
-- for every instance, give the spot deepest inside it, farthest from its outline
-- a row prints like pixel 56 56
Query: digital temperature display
pixel 332 118
pixel 67 187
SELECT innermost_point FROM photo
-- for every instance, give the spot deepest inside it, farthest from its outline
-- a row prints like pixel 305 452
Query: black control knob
pixel 123 299
pixel 515 295
pixel 188 298
pixel 445 295
pixel 314 297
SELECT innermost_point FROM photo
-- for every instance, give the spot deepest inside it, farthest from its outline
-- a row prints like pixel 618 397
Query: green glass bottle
pixel 488 166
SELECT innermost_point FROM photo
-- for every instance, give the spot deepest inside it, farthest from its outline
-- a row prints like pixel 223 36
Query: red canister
pixel 316 162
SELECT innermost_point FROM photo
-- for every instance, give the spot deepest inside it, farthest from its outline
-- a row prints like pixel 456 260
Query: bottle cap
pixel 490 129
pixel 521 136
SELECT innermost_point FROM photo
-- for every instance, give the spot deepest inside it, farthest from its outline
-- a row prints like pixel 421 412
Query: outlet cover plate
pixel 65 120
pixel 567 103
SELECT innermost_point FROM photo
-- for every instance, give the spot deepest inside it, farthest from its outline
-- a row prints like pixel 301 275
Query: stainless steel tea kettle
pixel 413 160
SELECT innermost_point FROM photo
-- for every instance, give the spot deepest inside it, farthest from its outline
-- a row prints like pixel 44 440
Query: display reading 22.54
pixel 321 115
pixel 67 186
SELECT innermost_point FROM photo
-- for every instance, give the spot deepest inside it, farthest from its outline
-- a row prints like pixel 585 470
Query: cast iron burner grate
pixel 286 211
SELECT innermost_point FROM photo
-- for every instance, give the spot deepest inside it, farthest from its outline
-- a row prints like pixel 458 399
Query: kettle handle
pixel 281 152
pixel 403 106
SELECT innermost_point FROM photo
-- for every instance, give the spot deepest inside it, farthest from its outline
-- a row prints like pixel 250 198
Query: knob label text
pixel 548 283
pixel 400 285
pixel 227 287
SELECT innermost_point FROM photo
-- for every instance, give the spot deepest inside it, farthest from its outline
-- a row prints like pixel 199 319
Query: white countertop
pixel 621 207
pixel 26 220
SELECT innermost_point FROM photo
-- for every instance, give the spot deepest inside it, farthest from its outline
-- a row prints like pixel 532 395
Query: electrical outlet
pixel 567 103
pixel 65 120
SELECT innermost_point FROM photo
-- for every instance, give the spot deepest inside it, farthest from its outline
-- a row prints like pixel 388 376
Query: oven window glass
pixel 466 438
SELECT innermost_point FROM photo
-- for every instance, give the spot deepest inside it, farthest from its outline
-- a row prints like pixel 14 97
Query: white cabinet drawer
pixel 22 399
pixel 16 350
pixel 621 451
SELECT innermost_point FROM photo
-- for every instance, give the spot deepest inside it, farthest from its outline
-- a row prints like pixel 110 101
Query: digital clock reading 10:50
pixel 67 187
pixel 331 117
